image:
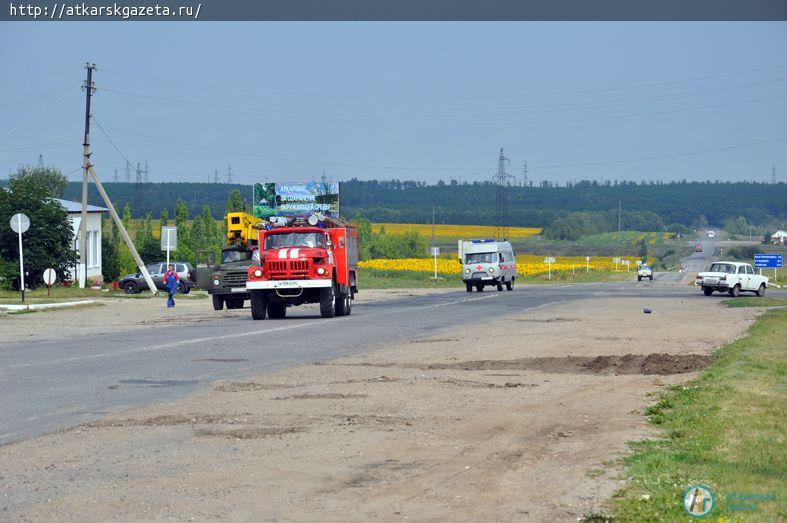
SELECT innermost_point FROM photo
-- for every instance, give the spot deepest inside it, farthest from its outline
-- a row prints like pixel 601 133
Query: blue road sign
pixel 768 261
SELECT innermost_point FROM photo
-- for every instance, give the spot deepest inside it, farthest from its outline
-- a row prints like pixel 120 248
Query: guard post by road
pixel 435 251
pixel 20 223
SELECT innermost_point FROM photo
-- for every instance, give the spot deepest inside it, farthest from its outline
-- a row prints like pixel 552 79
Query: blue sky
pixel 427 101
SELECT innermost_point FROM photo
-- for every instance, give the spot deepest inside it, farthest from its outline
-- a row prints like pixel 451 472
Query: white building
pixel 778 237
pixel 93 231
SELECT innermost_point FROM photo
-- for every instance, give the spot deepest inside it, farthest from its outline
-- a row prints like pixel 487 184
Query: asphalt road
pixel 48 385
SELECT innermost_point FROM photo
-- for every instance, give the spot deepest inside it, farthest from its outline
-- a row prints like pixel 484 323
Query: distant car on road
pixel 698 247
pixel 644 271
pixel 135 283
pixel 733 278
pixel 711 234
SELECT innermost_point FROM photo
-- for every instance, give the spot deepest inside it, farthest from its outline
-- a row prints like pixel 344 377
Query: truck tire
pixel 735 291
pixel 499 286
pixel 343 304
pixel 707 290
pixel 258 305
pixel 469 287
pixel 277 310
pixel 761 291
pixel 328 302
pixel 218 302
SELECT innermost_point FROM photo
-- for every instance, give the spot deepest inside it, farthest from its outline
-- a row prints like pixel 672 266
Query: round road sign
pixel 20 222
pixel 50 276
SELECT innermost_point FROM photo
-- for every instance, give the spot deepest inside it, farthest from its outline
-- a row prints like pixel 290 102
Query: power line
pixel 665 156
pixel 40 146
pixel 111 141
pixel 39 112
pixel 229 88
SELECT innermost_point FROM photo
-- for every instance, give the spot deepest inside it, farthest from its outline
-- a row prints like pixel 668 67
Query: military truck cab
pixel 487 262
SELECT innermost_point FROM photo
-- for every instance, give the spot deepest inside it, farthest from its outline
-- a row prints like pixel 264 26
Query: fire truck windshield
pixel 294 239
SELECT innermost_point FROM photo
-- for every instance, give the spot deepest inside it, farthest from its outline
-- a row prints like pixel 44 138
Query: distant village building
pixel 93 231
pixel 778 237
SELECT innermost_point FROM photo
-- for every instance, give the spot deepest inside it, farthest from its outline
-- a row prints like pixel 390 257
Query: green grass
pixel 725 429
pixel 377 279
pixel 751 301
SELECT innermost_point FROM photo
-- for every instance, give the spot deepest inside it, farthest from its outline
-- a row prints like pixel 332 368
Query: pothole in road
pixel 158 383
pixel 247 433
pixel 325 396
pixel 654 363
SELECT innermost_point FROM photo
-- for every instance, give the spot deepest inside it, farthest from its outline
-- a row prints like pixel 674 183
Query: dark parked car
pixel 135 283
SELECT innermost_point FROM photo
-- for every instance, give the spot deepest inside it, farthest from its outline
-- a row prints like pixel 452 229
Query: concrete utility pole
pixel 620 206
pixel 89 90
pixel 88 169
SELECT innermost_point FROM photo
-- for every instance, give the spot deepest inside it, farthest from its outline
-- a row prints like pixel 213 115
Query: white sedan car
pixel 644 271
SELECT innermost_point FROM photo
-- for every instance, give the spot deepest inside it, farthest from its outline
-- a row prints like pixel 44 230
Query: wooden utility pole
pixel 88 170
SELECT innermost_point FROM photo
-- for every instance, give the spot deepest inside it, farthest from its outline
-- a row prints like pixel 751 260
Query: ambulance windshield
pixel 481 257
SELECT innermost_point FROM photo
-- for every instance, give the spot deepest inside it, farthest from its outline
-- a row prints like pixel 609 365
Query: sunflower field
pixel 526 264
pixel 454 232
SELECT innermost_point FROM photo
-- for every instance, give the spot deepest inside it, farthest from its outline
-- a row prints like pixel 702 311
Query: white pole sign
pixel 435 252
pixel 587 264
pixel 19 224
pixel 49 278
pixel 169 240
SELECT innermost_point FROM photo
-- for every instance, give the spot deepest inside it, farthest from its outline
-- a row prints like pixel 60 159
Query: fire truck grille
pixel 289 269
pixel 235 279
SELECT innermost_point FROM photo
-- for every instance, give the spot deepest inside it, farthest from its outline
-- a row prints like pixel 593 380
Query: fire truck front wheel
pixel 218 302
pixel 258 305
pixel 328 302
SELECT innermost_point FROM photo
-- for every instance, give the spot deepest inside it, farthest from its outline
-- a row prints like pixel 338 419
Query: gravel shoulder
pixel 522 417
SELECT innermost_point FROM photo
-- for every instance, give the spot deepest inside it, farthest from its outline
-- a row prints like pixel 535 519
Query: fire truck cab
pixel 304 261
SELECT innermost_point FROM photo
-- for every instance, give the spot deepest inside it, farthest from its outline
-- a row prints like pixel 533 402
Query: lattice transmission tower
pixel 502 181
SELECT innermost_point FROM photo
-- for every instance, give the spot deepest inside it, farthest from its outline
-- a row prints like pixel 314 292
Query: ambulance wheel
pixel 343 304
pixel 258 305
pixel 509 285
pixel 469 287
pixel 218 302
pixel 327 302
pixel 277 310
pixel 479 287
pixel 499 286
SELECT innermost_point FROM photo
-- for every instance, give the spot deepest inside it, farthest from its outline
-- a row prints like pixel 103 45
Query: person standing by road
pixel 171 280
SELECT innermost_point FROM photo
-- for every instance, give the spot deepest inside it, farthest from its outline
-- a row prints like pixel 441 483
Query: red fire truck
pixel 305 260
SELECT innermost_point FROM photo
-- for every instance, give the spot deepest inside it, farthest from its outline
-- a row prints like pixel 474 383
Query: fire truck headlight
pixel 257 273
pixel 320 271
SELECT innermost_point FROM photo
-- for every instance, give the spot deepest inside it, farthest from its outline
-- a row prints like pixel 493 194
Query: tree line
pixel 685 203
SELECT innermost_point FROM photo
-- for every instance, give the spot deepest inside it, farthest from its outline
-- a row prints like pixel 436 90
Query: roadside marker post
pixel 549 261
pixel 19 224
pixel 587 264
pixel 49 278
pixel 616 261
pixel 435 251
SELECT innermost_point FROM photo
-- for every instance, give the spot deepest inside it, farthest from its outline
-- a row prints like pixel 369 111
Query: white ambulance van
pixel 487 262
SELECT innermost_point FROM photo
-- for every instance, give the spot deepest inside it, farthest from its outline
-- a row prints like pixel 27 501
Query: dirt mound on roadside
pixel 654 363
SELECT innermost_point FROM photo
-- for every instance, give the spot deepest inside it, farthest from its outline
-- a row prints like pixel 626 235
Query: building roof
pixel 72 207
pixel 779 234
